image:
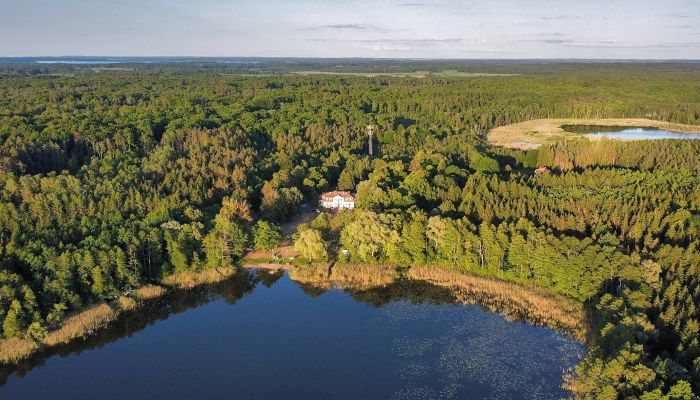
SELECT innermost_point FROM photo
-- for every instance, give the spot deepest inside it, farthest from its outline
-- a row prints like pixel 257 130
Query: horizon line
pixel 200 57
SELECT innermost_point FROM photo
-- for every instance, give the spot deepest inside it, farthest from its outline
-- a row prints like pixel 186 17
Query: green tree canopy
pixel 266 235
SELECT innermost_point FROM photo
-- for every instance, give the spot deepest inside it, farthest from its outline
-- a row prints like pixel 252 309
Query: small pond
pixel 628 133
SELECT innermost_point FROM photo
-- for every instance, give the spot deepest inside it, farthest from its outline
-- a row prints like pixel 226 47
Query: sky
pixel 476 29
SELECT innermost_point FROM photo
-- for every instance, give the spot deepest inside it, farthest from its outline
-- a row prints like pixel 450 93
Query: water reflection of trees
pixel 379 285
pixel 373 285
pixel 130 323
pixel 269 277
pixel 417 292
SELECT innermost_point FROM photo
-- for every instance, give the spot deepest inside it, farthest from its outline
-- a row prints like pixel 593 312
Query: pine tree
pixel 225 243
pixel 14 323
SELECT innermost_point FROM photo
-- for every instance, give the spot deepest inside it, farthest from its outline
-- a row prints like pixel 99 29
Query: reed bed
pixel 82 324
pixel 89 320
pixel 363 277
pixel 316 275
pixel 345 276
pixel 126 303
pixel 149 292
pixel 14 349
pixel 513 301
pixel 190 279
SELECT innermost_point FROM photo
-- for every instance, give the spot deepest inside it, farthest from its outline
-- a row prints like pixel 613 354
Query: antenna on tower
pixel 370 132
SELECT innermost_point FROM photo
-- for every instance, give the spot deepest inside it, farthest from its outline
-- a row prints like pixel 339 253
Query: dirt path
pixel 286 252
pixel 283 252
pixel 307 213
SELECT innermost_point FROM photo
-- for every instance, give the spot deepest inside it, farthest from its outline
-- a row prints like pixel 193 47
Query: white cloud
pixel 353 28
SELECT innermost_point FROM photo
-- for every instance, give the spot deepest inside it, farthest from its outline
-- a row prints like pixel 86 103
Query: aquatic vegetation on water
pixel 464 353
pixel 515 302
pixel 477 348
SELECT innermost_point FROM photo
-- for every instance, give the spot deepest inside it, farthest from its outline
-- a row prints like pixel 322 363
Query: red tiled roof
pixel 345 195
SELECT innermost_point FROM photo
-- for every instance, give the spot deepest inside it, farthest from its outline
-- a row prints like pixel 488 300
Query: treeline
pixel 518 252
pixel 583 153
pixel 635 206
pixel 52 123
pixel 646 345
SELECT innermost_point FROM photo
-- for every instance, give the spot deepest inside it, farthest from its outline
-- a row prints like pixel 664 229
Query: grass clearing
pixel 537 132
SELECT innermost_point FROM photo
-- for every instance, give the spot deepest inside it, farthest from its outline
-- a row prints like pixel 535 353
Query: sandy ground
pixel 269 266
pixel 537 132
pixel 286 250
pixel 307 212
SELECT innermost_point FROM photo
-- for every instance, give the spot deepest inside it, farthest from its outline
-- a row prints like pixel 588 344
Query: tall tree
pixel 266 235
pixel 311 245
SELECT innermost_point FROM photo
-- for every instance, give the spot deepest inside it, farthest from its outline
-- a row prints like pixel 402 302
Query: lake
pixel 628 133
pixel 261 335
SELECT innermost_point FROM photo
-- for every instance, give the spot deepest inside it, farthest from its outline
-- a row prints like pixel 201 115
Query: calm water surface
pixel 628 133
pixel 263 336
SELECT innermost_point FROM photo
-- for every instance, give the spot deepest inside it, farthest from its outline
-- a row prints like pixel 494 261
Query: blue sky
pixel 642 29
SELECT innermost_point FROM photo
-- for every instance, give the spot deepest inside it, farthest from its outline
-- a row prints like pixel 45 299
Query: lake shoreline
pixel 216 330
pixel 544 308
pixel 539 306
pixel 528 135
pixel 93 318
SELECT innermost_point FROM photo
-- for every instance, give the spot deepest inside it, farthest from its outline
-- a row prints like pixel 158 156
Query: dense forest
pixel 111 178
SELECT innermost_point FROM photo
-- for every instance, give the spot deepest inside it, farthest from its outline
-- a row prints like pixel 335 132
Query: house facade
pixel 337 200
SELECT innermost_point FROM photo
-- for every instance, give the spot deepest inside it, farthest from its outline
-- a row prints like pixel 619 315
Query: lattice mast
pixel 370 133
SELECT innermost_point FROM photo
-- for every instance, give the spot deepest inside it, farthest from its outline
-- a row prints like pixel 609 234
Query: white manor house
pixel 337 200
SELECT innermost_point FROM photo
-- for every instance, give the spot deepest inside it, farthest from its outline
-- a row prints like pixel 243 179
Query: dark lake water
pixel 263 336
pixel 628 133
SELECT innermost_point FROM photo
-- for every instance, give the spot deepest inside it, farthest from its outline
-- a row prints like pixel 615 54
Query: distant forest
pixel 116 175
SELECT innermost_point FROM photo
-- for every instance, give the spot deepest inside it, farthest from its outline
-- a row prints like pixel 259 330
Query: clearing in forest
pixel 537 132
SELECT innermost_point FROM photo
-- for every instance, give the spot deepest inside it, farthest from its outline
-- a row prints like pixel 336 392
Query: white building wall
pixel 338 202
